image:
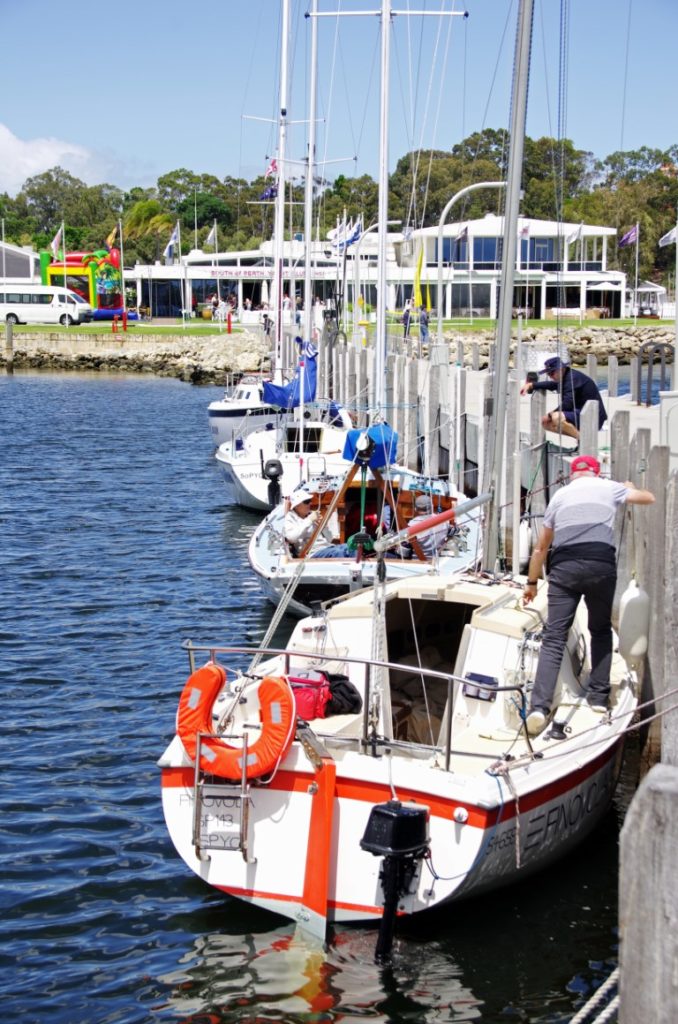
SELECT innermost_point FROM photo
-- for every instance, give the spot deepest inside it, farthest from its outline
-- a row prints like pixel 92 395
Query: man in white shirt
pixel 579 530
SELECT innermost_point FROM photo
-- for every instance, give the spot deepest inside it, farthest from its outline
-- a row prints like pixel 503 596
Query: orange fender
pixel 277 711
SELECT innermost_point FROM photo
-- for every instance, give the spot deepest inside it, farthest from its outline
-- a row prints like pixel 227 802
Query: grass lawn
pixel 203 328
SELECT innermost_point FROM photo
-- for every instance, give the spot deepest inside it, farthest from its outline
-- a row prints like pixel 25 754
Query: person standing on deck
pixel 578 528
pixel 574 389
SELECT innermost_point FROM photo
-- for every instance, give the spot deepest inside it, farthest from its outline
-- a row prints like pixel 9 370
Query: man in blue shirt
pixel 574 389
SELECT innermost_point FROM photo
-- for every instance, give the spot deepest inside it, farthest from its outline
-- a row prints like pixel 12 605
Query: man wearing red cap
pixel 574 389
pixel 579 530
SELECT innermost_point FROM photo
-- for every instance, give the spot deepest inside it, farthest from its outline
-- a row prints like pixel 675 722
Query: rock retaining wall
pixel 208 359
pixel 580 341
pixel 201 360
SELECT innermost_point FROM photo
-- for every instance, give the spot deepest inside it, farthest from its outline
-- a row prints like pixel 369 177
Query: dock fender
pixel 634 624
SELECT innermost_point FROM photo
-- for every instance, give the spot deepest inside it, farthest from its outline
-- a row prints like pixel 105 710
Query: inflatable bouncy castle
pixel 96 276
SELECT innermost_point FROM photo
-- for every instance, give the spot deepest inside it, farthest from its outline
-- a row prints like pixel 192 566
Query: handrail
pixel 369 664
pixel 650 348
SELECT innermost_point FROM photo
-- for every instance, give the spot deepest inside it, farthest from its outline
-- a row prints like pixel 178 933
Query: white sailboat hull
pixel 500 806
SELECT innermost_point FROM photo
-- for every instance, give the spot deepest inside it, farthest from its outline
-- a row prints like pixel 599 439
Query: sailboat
pixel 268 462
pixel 241 410
pixel 359 510
pixel 380 764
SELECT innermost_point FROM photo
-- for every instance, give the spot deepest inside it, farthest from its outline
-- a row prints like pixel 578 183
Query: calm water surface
pixel 117 544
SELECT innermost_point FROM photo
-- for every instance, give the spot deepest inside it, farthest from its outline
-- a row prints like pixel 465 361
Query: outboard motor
pixel 398 832
pixel 273 471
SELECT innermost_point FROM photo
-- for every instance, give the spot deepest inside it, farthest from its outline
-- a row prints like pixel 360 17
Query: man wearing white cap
pixel 579 530
pixel 301 520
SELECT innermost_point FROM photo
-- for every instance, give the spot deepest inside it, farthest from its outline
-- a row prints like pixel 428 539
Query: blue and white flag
pixel 288 396
pixel 174 238
pixel 269 193
pixel 630 237
pixel 352 234
pixel 669 238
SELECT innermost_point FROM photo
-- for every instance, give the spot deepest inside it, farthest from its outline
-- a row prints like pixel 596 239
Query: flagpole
pixel 63 257
pixel 4 274
pixel 195 214
pixel 182 281
pixel 635 294
pixel 122 270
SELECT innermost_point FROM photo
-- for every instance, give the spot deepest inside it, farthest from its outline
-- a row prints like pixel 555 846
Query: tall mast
pixel 382 230
pixel 310 170
pixel 497 429
pixel 279 222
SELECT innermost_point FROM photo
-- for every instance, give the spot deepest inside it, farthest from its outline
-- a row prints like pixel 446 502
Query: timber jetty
pixel 209 359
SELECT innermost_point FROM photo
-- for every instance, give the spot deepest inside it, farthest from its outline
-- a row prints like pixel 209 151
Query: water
pixel 117 544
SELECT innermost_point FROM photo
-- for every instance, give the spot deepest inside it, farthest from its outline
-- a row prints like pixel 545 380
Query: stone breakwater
pixel 601 342
pixel 200 360
pixel 208 359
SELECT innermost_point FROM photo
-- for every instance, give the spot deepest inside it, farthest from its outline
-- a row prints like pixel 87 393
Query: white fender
pixel 524 544
pixel 634 624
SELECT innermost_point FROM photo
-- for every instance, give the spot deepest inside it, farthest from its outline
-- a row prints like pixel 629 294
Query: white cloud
pixel 21 159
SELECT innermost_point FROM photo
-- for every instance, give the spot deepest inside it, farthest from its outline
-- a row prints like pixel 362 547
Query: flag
pixel 630 237
pixel 351 234
pixel 524 231
pixel 669 238
pixel 575 236
pixel 269 193
pixel 110 240
pixel 174 238
pixel 463 234
pixel 212 237
pixel 288 396
pixel 55 244
pixel 417 279
pixel 271 169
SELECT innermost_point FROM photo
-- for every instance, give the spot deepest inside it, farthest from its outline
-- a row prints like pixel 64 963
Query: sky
pixel 124 92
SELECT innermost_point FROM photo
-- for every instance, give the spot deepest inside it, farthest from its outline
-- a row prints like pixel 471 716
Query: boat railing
pixel 369 738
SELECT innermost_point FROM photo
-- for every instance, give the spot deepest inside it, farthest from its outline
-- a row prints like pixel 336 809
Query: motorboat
pixel 361 511
pixel 241 410
pixel 432 767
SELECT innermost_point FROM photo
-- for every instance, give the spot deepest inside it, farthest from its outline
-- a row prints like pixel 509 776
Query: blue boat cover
pixel 385 442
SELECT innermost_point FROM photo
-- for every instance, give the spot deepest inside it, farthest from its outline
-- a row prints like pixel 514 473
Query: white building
pixel 561 270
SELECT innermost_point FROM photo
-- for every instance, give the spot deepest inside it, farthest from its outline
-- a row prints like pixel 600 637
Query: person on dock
pixel 423 326
pixel 578 528
pixel 574 389
pixel 407 320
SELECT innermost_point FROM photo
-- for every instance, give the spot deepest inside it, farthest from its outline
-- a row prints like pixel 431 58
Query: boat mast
pixel 494 466
pixel 310 171
pixel 279 221
pixel 382 217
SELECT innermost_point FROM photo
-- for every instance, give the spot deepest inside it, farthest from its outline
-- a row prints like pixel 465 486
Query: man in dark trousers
pixel 579 530
pixel 574 389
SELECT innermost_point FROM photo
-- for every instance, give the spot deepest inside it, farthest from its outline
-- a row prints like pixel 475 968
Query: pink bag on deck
pixel 311 695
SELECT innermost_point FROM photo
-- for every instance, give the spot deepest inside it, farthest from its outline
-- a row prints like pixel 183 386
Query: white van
pixel 42 304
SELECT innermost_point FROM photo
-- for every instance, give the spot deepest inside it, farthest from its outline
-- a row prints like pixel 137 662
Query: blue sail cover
pixel 385 442
pixel 288 396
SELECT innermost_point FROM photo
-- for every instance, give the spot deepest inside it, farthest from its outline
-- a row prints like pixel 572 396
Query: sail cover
pixel 385 441
pixel 288 396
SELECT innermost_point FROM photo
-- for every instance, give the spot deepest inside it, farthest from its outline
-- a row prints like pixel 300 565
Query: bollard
pixel 114 324
pixel 124 319
pixel 228 322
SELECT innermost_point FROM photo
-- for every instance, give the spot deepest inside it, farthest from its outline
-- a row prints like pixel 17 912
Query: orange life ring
pixel 277 711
